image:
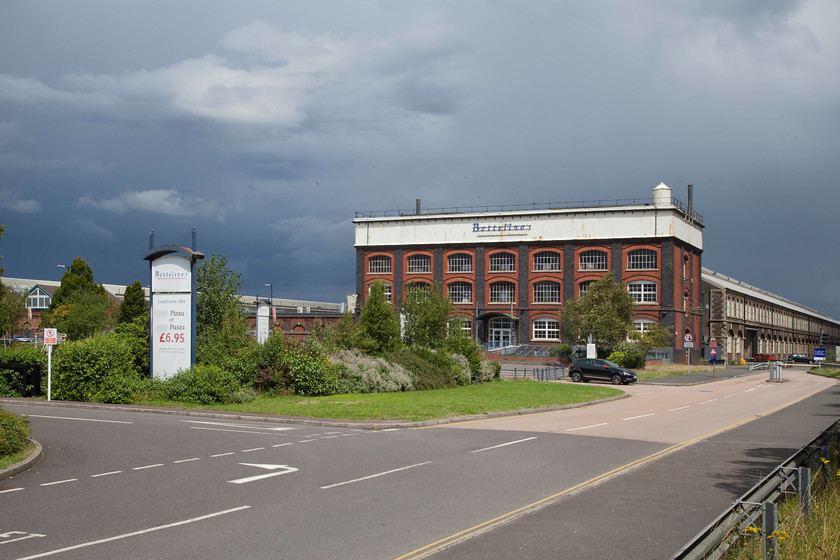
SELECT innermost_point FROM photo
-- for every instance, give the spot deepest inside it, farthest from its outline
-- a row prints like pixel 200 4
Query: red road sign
pixel 713 342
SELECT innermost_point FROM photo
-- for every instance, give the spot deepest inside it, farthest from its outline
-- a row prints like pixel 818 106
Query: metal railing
pixel 533 206
pixel 712 542
pixel 548 373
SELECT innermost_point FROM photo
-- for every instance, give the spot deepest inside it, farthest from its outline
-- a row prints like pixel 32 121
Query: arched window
pixel 641 259
pixel 642 292
pixel 547 260
pixel 583 286
pixel 386 291
pixel 419 264
pixel 502 262
pixel 502 292
pixel 546 329
pixel 379 264
pixel 460 262
pixel 418 291
pixel 593 260
pixel 460 292
pixel 643 325
pixel 547 292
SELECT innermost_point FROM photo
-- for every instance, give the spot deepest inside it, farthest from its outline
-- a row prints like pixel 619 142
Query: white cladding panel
pixel 521 227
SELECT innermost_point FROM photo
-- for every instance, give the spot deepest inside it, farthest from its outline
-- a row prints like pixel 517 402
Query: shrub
pixel 284 364
pixel 627 354
pixel 101 367
pixel 14 433
pixel 23 354
pixel 204 384
pixel 561 351
pixel 358 373
pixel 428 369
pixel 136 335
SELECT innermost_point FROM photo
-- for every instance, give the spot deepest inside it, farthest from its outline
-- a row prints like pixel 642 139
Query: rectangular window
pixel 642 292
pixel 546 329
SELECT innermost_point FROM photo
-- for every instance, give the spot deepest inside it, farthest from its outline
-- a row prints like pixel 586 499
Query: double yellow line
pixel 430 549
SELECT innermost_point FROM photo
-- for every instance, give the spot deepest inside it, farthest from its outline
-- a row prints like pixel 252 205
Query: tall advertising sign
pixel 171 315
pixel 172 309
pixel 262 322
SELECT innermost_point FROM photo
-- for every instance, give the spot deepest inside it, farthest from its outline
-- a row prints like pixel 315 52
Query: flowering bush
pixel 359 373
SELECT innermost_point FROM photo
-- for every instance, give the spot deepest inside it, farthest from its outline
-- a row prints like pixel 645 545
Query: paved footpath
pixel 652 511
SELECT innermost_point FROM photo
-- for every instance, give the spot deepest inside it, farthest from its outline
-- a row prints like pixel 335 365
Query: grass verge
pixel 417 406
pixel 813 537
pixel 11 460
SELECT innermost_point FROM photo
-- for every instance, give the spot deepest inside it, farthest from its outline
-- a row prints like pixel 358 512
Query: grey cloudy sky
pixel 266 124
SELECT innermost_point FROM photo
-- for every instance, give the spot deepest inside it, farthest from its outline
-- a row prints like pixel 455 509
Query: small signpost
pixel 819 356
pixel 688 342
pixel 50 339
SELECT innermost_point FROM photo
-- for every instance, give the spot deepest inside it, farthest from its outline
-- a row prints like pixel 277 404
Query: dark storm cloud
pixel 265 125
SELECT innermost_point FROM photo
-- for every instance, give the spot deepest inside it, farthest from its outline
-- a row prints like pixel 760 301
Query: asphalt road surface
pixel 633 478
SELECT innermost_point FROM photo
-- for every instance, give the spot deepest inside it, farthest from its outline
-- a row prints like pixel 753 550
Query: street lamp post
pixel 270 299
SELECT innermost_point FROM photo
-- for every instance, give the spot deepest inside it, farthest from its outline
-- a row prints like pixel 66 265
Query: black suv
pixel 799 359
pixel 585 369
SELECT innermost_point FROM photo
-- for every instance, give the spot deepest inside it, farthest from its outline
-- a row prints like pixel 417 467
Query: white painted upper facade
pixel 660 218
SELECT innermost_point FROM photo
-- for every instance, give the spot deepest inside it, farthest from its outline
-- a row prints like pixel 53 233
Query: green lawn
pixel 500 396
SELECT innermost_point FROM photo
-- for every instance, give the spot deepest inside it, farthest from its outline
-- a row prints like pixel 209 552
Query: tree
pixel 80 307
pixel 221 322
pixel 605 312
pixel 378 329
pixel 426 314
pixel 656 336
pixel 133 305
pixel 12 305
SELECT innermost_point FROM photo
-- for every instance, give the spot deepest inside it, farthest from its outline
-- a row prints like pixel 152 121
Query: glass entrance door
pixel 501 333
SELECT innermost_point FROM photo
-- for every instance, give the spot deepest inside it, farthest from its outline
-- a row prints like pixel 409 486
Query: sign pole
pixel 49 372
pixel 50 339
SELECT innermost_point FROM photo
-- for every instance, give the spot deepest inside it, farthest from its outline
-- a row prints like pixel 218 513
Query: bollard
pixel 769 525
pixel 805 490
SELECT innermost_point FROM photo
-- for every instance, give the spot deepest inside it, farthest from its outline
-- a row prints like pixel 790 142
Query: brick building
pixel 508 270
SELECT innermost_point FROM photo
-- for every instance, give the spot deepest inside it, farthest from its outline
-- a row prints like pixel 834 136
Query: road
pixel 118 484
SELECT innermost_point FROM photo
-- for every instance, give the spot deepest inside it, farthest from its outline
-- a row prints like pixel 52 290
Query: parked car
pixel 799 359
pixel 585 369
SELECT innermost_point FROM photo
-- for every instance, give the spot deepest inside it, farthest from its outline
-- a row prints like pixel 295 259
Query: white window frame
pixel 459 262
pixel 583 286
pixel 643 292
pixel 643 325
pixel 547 261
pixel 379 264
pixel 546 329
pixel 419 264
pixel 460 292
pixel 595 259
pixel 502 262
pixel 500 291
pixel 546 291
pixel 642 259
